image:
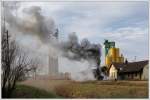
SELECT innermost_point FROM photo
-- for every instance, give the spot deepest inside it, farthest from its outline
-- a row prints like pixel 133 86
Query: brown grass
pixel 93 89
pixel 48 85
pixel 104 89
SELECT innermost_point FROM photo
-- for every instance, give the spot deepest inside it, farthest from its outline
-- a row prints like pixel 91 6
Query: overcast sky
pixel 126 23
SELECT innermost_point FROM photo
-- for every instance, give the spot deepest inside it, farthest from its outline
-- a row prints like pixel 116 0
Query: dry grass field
pixel 93 89
pixel 48 85
pixel 104 89
pixel 23 91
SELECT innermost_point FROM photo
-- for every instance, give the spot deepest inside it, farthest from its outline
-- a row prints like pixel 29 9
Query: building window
pixel 128 75
pixel 136 74
pixel 113 74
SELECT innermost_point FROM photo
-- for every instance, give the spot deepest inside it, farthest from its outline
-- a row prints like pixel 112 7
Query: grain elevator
pixel 53 56
pixel 112 54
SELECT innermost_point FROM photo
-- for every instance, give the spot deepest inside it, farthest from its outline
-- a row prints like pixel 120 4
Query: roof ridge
pixel 131 66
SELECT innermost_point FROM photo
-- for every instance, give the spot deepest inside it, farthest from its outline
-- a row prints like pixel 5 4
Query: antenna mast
pixel 134 58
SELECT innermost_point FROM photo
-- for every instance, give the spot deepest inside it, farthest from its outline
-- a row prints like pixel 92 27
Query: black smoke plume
pixel 83 50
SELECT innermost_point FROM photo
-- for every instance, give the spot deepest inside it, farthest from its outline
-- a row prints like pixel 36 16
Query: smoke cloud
pixel 83 50
pixel 83 54
pixel 33 31
pixel 29 21
pixel 38 35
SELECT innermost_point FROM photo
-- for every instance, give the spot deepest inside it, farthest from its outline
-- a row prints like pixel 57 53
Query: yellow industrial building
pixel 113 55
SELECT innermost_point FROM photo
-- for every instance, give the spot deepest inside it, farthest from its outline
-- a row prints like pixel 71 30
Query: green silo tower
pixel 108 45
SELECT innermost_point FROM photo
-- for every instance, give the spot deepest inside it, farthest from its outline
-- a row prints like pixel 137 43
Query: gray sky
pixel 126 23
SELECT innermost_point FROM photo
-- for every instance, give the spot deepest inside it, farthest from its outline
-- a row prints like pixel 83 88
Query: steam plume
pixel 30 24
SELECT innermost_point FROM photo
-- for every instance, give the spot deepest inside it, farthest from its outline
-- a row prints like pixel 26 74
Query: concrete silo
pixel 53 57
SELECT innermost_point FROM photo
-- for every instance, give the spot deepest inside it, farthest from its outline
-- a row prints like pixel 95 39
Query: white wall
pixel 113 73
pixel 145 74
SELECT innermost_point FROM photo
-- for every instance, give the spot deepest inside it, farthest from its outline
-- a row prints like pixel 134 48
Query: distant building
pixel 65 76
pixel 129 70
pixel 53 66
pixel 53 55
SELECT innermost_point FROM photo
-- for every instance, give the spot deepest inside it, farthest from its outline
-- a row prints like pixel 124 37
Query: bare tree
pixel 15 64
